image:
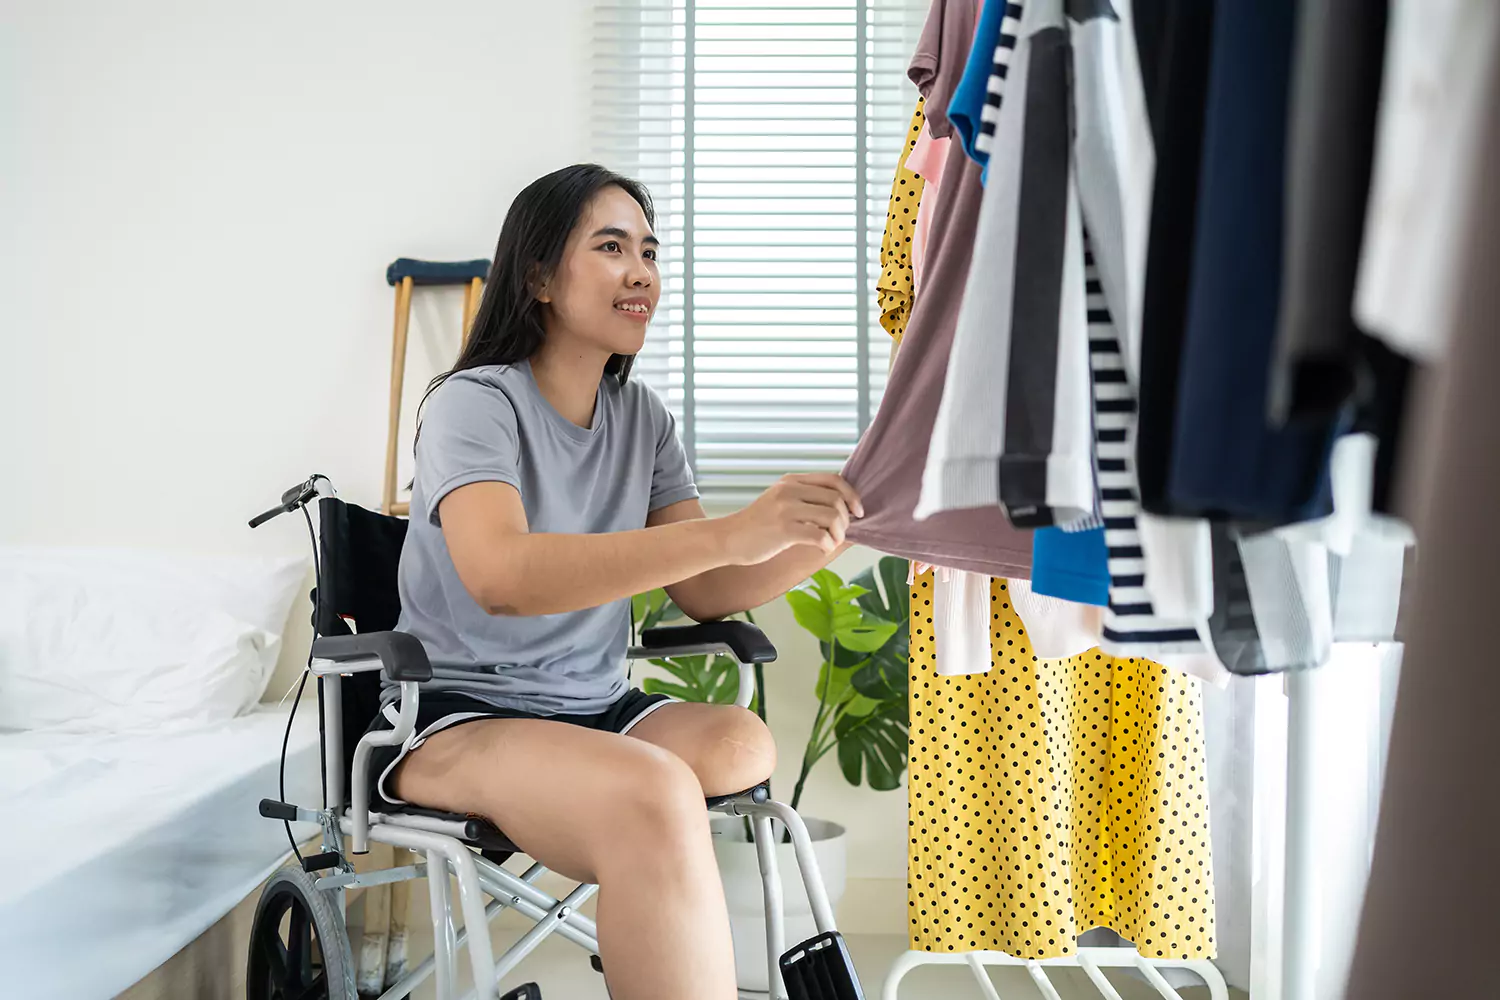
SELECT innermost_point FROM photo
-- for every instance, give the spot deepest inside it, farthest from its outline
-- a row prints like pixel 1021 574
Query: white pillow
pixel 118 640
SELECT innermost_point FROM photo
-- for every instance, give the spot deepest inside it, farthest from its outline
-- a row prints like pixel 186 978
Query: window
pixel 768 134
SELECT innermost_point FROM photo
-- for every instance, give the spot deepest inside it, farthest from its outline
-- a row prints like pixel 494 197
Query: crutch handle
pixel 434 272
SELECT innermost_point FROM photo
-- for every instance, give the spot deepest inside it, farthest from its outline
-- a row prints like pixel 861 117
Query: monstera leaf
pixel 842 656
pixel 883 677
pixel 873 747
pixel 827 609
pixel 650 609
pixel 896 605
pixel 714 680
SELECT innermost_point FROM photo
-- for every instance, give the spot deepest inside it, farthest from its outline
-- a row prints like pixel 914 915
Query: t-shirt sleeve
pixel 671 477
pixel 941 53
pixel 468 435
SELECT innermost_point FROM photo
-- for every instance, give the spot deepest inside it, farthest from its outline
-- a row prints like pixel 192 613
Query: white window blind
pixel 768 134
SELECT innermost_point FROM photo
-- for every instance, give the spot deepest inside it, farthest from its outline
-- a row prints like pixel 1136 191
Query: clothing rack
pixel 1298 963
pixel 1091 960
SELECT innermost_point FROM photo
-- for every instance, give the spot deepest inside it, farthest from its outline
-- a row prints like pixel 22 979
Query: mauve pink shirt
pixel 886 467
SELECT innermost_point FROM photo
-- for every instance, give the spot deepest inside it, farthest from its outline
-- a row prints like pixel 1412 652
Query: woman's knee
pixel 740 755
pixel 655 800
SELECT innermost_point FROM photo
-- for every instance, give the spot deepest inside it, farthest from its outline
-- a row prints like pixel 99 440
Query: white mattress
pixel 119 851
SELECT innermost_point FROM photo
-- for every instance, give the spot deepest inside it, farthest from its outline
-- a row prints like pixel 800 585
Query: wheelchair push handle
pixel 292 499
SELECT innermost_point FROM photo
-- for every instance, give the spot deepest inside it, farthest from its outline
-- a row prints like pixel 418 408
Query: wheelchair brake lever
pixel 291 499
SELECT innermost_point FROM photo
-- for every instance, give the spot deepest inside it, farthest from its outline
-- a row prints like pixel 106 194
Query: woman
pixel 549 488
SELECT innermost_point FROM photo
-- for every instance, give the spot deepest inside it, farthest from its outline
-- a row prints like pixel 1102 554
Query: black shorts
pixel 439 711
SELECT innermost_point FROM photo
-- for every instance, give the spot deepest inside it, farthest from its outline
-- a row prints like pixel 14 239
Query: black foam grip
pixel 748 643
pixel 402 657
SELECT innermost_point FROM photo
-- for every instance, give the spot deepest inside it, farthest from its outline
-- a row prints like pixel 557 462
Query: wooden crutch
pixel 404 275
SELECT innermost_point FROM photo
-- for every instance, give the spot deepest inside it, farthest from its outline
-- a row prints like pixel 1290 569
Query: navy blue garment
pixel 1226 460
pixel 1072 565
pixel 1176 90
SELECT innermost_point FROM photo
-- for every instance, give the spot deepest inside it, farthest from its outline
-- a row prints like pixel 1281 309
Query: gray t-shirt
pixel 493 424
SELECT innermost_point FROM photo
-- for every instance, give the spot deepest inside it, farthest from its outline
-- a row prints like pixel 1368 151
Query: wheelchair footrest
pixel 821 968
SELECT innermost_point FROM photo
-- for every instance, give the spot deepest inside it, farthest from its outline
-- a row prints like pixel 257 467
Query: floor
pixel 562 970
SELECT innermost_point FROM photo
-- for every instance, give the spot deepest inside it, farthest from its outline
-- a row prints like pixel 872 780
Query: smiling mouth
pixel 634 308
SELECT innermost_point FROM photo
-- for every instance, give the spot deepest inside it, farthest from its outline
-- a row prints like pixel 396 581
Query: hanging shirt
pixel 961 621
pixel 926 160
pixel 1071 565
pixel 1226 461
pixel 1022 324
pixel 967 109
pixel 1441 57
pixel 1177 104
pixel 989 115
pixel 896 442
pixel 1116 162
pixel 1046 463
pixel 1132 625
pixel 894 290
pixel 1331 142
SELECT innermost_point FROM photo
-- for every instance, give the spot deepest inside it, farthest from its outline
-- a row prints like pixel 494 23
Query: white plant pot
pixel 740 870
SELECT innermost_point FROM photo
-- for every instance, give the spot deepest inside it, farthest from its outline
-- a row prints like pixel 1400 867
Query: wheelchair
pixel 299 943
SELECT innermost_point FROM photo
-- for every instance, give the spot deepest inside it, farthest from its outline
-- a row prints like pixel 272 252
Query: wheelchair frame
pixel 444 843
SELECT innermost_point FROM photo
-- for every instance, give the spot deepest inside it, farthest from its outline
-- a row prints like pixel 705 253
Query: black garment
pixel 1152 26
pixel 1382 379
pixel 1336 74
pixel 1177 103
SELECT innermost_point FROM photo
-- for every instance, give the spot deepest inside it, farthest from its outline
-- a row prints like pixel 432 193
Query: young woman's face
pixel 607 285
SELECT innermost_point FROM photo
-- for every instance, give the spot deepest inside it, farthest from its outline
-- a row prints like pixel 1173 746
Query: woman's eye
pixel 612 246
pixel 651 255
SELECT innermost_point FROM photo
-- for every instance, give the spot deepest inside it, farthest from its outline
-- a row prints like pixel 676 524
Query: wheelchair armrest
pixel 746 642
pixel 401 655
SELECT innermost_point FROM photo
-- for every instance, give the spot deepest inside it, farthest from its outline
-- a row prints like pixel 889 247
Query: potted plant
pixel 861 687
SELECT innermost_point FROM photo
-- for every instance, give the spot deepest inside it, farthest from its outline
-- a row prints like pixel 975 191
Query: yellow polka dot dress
pixel 894 289
pixel 1048 797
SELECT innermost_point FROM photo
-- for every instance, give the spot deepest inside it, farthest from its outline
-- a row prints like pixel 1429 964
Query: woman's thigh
pixel 564 794
pixel 728 747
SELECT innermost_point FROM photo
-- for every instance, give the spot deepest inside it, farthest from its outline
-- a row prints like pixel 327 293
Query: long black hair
pixel 508 327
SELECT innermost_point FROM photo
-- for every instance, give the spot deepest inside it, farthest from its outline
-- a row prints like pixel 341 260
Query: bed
pixel 124 849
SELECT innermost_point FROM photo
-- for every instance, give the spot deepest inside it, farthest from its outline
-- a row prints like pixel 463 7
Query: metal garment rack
pixel 1299 916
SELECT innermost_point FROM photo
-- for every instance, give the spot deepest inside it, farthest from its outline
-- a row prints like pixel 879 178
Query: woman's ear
pixel 537 285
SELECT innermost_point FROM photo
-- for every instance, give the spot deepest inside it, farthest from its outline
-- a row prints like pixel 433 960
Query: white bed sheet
pixel 120 851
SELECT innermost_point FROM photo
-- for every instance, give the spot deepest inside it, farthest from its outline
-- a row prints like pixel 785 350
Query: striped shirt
pixel 1131 625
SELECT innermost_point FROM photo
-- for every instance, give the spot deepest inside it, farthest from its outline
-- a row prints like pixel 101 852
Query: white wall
pixel 197 205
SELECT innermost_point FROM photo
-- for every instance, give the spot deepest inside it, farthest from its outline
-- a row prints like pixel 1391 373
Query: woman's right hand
pixel 800 509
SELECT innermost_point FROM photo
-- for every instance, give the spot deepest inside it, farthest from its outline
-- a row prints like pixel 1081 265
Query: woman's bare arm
pixel 728 590
pixel 510 571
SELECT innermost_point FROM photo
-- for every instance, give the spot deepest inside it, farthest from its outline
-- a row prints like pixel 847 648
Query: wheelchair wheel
pixel 298 945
